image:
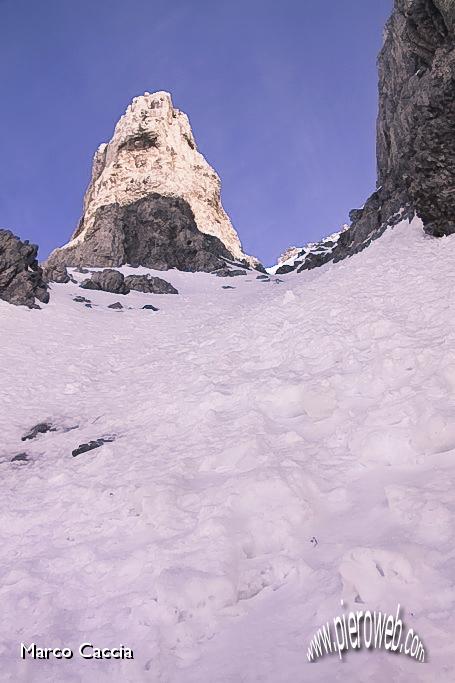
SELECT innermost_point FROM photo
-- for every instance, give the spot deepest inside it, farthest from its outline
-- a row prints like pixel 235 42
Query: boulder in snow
pixel 58 274
pixel 228 272
pixel 149 284
pixel 107 280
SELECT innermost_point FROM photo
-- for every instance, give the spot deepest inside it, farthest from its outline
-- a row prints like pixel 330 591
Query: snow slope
pixel 247 422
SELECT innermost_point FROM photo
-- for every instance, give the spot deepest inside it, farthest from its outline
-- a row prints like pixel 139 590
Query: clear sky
pixel 281 95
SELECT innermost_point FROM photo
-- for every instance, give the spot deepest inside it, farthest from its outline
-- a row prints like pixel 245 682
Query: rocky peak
pixel 152 193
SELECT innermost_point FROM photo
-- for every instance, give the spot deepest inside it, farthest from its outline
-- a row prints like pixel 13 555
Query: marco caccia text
pixel 86 651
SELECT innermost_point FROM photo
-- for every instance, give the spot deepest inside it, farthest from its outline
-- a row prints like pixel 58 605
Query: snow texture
pixel 245 423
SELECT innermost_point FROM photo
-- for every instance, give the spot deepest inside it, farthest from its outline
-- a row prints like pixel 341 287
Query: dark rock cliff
pixel 416 121
pixel 415 128
pixel 155 231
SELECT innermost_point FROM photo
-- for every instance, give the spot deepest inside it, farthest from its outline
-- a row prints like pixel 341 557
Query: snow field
pixel 247 422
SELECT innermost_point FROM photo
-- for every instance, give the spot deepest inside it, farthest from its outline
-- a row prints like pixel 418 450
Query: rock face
pixel 229 272
pixel 415 144
pixel 21 279
pixel 310 256
pixel 108 280
pixel 149 284
pixel 153 200
pixel 289 253
pixel 58 274
pixel 416 121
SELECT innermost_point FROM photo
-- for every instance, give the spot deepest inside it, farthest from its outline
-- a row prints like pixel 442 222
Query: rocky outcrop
pixel 149 284
pixel 310 256
pixel 153 200
pixel 21 278
pixel 415 144
pixel 416 122
pixel 40 428
pixel 113 281
pixel 57 274
pixel 229 272
pixel 289 254
pixel 415 128
pixel 82 300
pixel 108 280
pixel 157 232
pixel 91 445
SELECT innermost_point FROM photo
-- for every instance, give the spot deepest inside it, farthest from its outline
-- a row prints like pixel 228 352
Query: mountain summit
pixel 153 200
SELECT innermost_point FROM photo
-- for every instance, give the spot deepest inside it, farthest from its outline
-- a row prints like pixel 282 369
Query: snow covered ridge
pixel 311 255
pixel 268 451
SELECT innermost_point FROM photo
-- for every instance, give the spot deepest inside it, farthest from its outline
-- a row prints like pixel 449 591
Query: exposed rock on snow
pixel 20 457
pixel 108 280
pixel 91 445
pixel 116 305
pixel 153 200
pixel 58 274
pixel 114 281
pixel 289 253
pixel 149 284
pixel 229 272
pixel 310 256
pixel 150 307
pixel 40 428
pixel 21 278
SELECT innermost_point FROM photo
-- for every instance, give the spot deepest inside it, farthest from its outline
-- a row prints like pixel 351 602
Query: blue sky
pixel 281 95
